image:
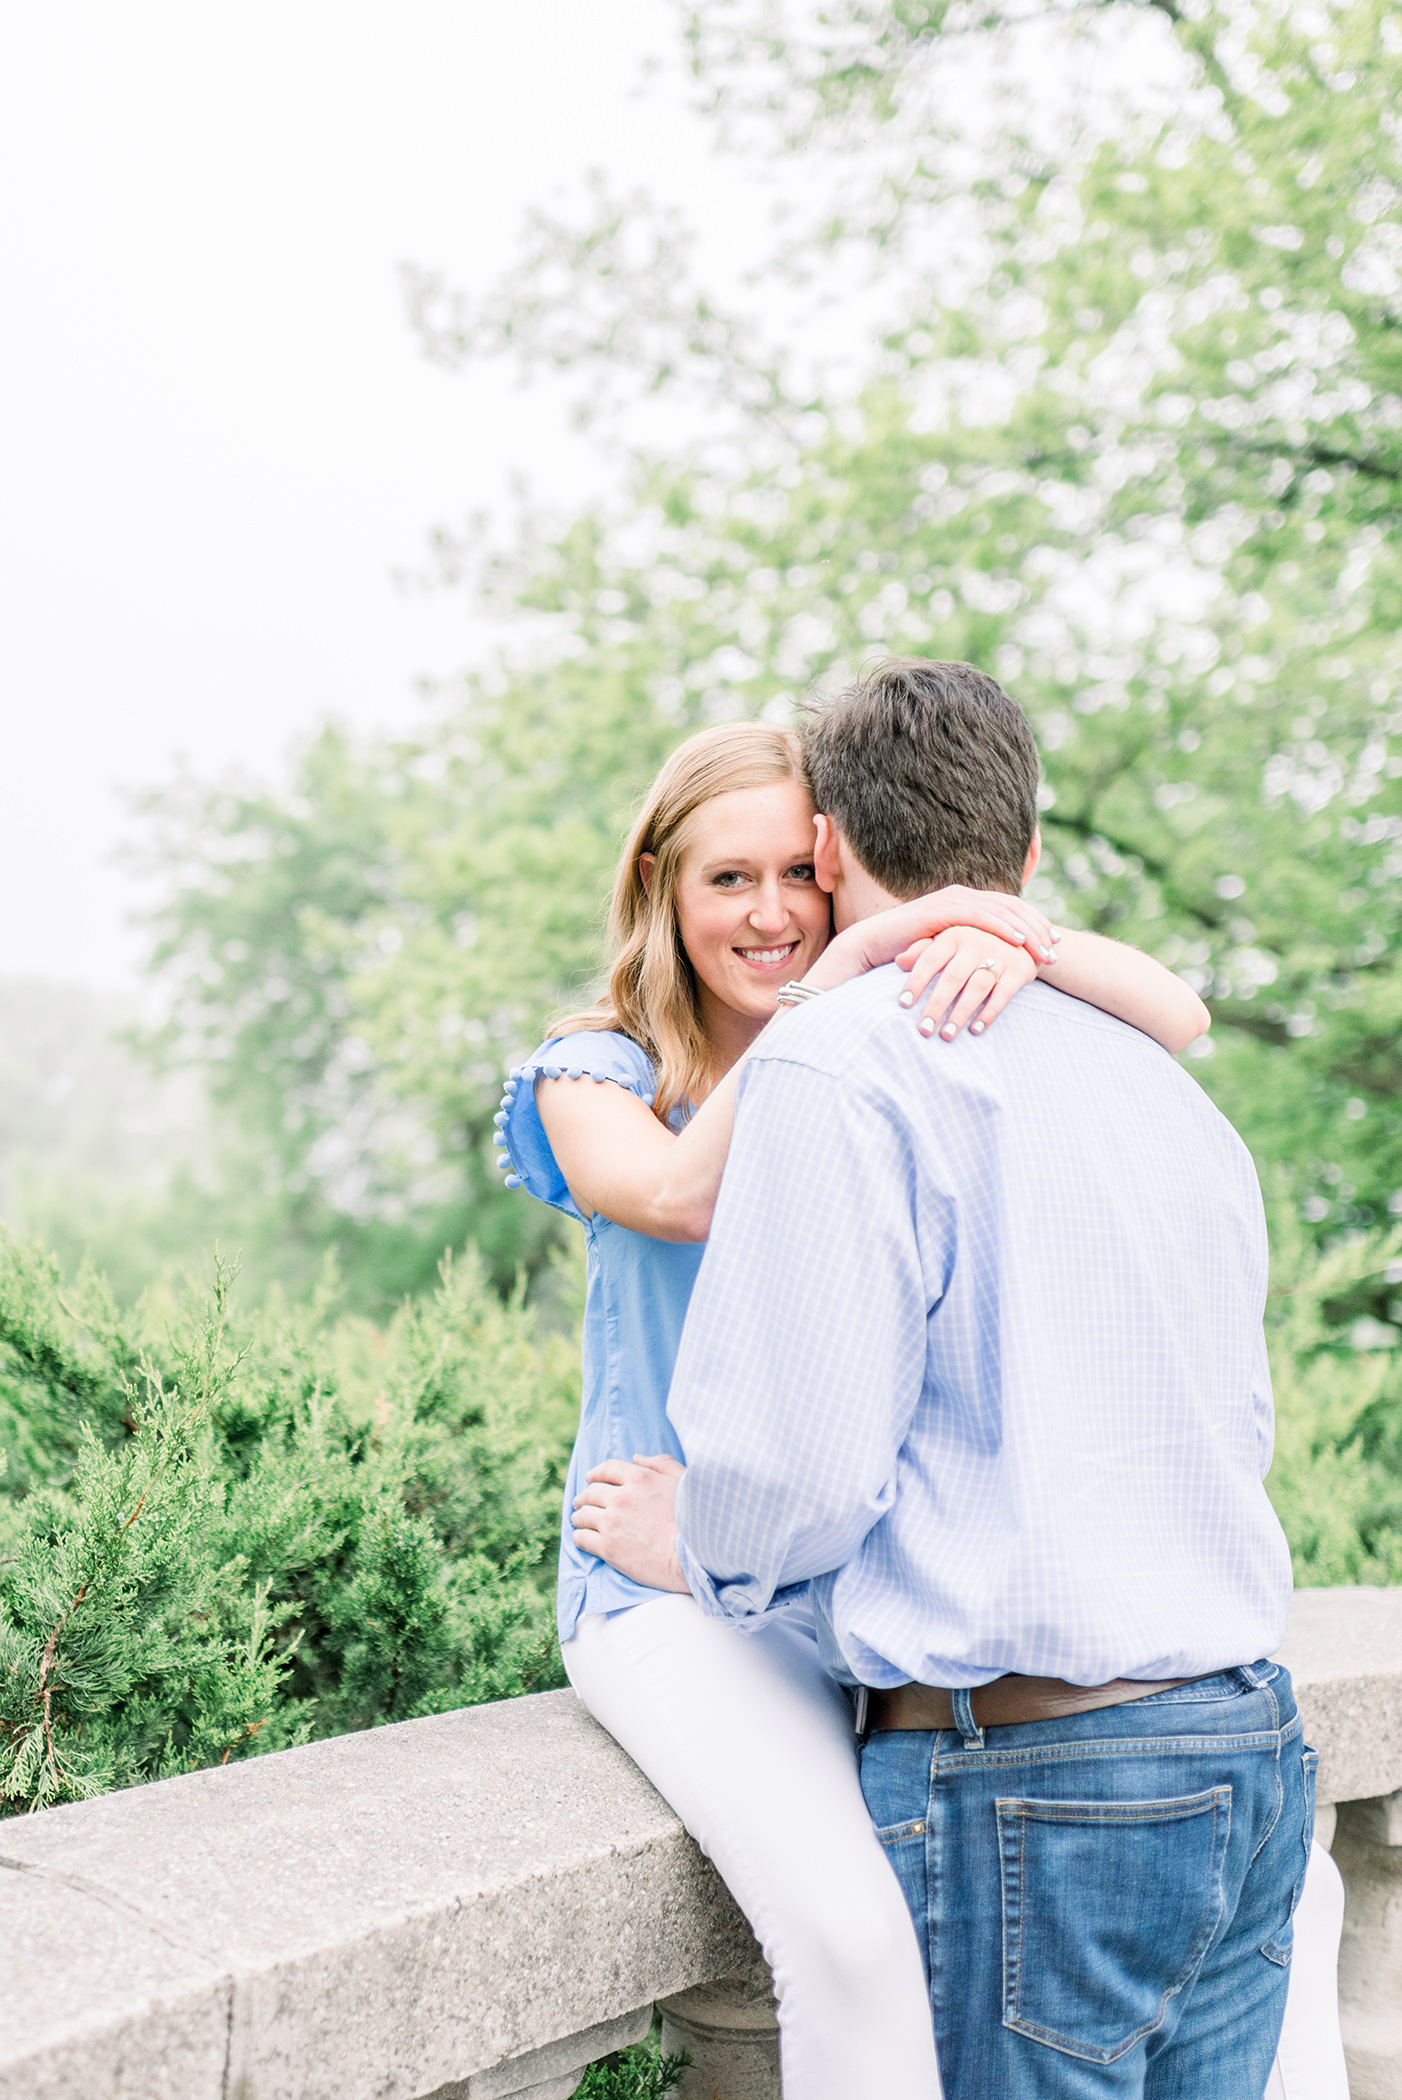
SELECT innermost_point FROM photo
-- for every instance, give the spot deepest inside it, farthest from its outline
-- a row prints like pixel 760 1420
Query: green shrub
pixel 640 2073
pixel 1336 1480
pixel 222 1534
pixel 220 1537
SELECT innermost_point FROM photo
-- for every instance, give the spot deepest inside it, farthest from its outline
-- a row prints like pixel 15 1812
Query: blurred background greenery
pixel 1085 368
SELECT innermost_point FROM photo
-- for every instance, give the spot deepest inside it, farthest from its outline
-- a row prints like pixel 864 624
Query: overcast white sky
pixel 218 439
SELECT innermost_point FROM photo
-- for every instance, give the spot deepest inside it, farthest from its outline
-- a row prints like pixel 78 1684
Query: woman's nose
pixel 769 913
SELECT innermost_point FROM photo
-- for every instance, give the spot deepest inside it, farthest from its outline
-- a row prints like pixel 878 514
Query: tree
pixel 1139 452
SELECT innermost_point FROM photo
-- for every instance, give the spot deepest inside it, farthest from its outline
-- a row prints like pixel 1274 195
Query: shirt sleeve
pixel 524 1151
pixel 803 1356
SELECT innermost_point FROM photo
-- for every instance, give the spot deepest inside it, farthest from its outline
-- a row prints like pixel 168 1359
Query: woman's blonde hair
pixel 651 992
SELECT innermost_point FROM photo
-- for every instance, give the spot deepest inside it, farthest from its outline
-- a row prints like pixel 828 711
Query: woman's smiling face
pixel 750 912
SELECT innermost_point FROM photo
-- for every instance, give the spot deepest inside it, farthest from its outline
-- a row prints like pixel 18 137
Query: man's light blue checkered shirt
pixel 976 1347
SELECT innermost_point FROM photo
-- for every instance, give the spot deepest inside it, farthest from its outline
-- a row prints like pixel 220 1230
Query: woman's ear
pixel 646 862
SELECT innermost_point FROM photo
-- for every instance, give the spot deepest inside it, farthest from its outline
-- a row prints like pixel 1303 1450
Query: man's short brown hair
pixel 930 772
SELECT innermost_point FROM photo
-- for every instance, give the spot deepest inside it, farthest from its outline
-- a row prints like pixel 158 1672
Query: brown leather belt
pixel 1005 1702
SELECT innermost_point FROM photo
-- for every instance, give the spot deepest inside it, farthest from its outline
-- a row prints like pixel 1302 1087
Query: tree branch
pixel 1371 464
pixel 45 1694
pixel 1273 1032
pixel 1086 828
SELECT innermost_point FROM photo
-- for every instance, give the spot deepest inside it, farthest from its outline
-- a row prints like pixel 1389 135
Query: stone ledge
pixel 379 1915
pixel 1344 1652
pixel 413 1910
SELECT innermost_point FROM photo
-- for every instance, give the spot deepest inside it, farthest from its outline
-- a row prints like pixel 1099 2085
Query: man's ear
pixel 1034 854
pixel 827 854
pixel 646 863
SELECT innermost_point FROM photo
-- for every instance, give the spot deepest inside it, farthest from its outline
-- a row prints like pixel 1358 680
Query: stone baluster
pixel 731 2033
pixel 1368 1848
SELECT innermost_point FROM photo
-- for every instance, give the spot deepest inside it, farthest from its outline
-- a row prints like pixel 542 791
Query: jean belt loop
pixel 963 1701
pixel 1252 1673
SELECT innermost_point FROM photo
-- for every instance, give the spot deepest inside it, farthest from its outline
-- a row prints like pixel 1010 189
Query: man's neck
pixel 857 896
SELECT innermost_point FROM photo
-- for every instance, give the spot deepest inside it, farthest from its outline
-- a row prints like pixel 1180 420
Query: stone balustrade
pixel 478 1905
pixel 1344 1651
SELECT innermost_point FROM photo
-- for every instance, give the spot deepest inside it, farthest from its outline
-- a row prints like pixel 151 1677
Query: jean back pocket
pixel 1108 1908
pixel 1278 1947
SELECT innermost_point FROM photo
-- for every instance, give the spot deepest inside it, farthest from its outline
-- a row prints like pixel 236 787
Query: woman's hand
pixel 969 975
pixel 1105 973
pixel 624 1516
pixel 948 937
pixel 888 934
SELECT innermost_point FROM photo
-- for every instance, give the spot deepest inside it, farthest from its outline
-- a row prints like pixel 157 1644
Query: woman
pixel 715 909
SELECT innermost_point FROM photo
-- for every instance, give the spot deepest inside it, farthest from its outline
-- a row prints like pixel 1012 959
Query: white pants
pixel 751 1742
pixel 1309 2064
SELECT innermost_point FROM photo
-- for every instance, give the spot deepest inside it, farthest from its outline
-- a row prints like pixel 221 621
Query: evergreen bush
pixel 1336 1479
pixel 640 2073
pixel 220 1535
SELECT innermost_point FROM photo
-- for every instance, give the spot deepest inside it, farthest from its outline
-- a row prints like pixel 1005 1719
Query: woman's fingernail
pixel 907 998
pixel 927 1027
pixel 948 1031
pixel 975 1028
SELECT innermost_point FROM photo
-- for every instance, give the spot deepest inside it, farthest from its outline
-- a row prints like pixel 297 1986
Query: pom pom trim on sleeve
pixel 527 1075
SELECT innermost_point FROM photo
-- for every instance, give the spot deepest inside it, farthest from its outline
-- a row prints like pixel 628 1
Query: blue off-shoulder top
pixel 637 1295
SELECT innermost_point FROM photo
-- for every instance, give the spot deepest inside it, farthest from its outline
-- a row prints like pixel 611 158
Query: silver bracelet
pixel 794 993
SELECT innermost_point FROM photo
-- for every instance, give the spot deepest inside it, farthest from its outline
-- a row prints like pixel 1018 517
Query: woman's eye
pixel 730 880
pixel 802 871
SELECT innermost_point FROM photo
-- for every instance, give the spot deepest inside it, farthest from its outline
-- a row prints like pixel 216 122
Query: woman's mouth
pixel 768 958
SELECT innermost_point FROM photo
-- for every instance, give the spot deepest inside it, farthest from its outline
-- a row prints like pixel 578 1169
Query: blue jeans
pixel 1104 1903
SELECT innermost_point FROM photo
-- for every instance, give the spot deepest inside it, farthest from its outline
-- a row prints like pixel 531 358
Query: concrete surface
pixel 380 1915
pixel 1344 1652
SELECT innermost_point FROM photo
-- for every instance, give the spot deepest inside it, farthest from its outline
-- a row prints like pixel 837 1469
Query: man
pixel 975 1357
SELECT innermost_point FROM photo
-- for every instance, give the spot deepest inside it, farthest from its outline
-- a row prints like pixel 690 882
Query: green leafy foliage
pixel 1138 452
pixel 640 2073
pixel 1336 1480
pixel 219 1537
